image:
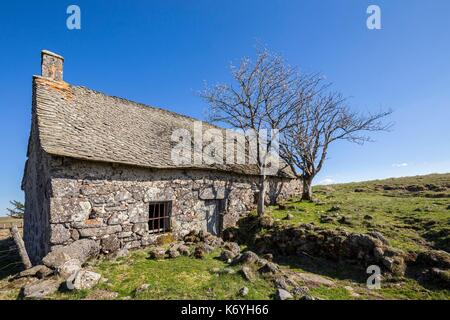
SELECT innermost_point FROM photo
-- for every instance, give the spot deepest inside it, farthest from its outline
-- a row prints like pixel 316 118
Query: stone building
pixel 100 167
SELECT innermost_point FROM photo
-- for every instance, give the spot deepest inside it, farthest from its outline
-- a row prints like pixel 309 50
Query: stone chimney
pixel 52 65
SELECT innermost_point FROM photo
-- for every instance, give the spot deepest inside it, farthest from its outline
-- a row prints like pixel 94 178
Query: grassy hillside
pixel 413 212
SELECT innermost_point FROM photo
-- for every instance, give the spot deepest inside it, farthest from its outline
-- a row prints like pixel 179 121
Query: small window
pixel 159 217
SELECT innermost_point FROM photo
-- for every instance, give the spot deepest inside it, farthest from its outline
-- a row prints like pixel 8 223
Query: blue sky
pixel 160 52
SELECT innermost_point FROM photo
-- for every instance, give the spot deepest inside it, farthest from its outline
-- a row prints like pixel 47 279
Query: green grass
pixel 413 221
pixel 179 278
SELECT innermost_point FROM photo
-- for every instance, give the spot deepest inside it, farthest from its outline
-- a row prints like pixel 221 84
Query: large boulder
pixel 439 277
pixel 434 259
pixel 269 268
pixel 248 273
pixel 39 271
pixel 184 250
pixel 200 251
pixel 41 289
pixel 157 253
pixel 227 256
pixel 82 250
pixel 248 257
pixel 69 267
pixel 283 295
pixel 233 247
pixel 82 279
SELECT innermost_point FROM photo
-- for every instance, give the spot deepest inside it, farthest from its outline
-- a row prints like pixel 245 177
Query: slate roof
pixel 85 124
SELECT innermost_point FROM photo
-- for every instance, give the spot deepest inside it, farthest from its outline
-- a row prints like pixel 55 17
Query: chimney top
pixel 52 65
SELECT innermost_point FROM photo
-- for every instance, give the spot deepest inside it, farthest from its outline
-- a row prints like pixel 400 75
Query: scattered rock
pixel 44 272
pixel 289 216
pixel 439 277
pixel 280 283
pixel 248 257
pixel 142 288
pixel 379 236
pixel 157 253
pixel 368 217
pixel 326 219
pixel 173 253
pixel 227 256
pixel 394 265
pixel 345 220
pixel 268 256
pixel 283 295
pixel 248 273
pixel 233 247
pixel 351 291
pixel 243 291
pixel 230 234
pixel 184 250
pixel 82 250
pixel 32 272
pixel 68 268
pixel 314 280
pixel 41 289
pixel 434 258
pixel 82 279
pixel 270 268
pixel 300 291
pixel 359 190
pixel 200 252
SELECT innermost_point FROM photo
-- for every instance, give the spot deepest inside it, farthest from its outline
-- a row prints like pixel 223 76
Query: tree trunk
pixel 261 195
pixel 307 188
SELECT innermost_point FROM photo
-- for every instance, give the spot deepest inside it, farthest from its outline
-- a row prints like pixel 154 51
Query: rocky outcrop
pixel 40 289
pixel 81 250
pixel 337 245
pixel 82 279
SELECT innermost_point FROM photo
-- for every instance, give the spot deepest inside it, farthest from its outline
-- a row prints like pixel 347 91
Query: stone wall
pixel 110 203
pixel 36 184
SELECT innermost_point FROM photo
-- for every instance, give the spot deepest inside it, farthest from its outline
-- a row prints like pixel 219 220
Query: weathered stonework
pixel 96 163
pixel 110 203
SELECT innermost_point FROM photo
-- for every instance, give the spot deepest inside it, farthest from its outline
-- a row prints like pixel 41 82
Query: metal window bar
pixel 159 217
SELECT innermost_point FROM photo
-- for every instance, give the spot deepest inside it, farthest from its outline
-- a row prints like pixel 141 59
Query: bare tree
pixel 319 120
pixel 263 95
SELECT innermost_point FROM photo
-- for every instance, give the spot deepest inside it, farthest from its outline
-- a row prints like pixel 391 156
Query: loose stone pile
pixel 251 266
pixel 338 244
pixel 62 268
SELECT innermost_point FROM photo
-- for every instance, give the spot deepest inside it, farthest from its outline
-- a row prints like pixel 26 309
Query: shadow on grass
pixel 10 262
pixel 323 267
pixel 248 230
